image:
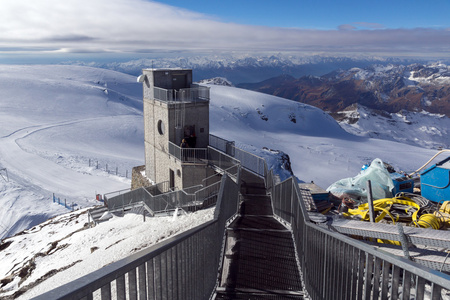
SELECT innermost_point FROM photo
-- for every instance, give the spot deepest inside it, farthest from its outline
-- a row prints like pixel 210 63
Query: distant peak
pixel 216 81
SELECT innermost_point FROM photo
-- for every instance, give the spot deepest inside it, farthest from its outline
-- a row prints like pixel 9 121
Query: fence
pixel 251 161
pixel 159 188
pixel 246 159
pixel 58 200
pixel 335 266
pixel 221 160
pixel 107 168
pixel 190 155
pixel 194 94
pixel 222 144
pixel 190 199
pixel 182 267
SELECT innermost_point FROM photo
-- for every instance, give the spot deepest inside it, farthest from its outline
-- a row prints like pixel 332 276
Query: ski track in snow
pixel 35 170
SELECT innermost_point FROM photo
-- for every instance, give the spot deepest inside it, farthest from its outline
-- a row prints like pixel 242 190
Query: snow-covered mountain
pixel 390 88
pixel 429 130
pixel 216 81
pixel 244 68
pixel 58 120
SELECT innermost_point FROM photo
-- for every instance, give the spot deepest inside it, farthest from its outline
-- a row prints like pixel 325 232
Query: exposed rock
pixel 138 180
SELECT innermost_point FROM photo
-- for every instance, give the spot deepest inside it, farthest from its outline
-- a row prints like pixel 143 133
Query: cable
pixel 421 201
pixel 442 266
pixel 427 221
pixel 422 167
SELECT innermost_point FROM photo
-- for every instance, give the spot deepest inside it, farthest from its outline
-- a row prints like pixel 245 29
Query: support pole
pixel 370 202
pixel 403 241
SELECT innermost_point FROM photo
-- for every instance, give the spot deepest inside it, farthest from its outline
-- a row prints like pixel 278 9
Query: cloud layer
pixel 139 26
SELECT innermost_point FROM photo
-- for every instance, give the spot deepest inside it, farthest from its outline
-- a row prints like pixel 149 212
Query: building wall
pixel 164 78
pixel 198 114
pixel 158 162
pixel 157 132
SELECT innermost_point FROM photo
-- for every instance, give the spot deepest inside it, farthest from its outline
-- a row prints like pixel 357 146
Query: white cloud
pixel 139 26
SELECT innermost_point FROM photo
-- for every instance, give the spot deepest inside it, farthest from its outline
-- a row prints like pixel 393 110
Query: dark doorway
pixel 172 179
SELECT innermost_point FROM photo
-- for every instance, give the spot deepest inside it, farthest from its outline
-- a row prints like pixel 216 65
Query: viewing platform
pixel 187 95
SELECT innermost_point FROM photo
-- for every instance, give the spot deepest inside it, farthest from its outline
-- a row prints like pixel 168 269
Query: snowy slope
pixel 54 119
pixel 319 149
pixel 64 248
pixel 415 128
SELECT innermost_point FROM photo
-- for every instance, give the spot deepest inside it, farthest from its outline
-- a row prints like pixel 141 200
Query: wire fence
pixel 108 168
pixel 68 205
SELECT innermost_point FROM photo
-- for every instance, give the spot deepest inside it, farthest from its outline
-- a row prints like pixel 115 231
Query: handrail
pixel 109 273
pixel 190 155
pixel 333 266
pixel 182 267
pixel 193 94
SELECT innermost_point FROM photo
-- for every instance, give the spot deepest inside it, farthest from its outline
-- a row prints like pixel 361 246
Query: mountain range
pixel 389 88
pixel 245 68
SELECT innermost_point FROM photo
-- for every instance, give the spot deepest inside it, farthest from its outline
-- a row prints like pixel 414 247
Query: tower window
pixel 161 127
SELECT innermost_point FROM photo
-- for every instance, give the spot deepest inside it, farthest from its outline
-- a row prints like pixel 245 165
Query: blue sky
pixel 126 29
pixel 324 14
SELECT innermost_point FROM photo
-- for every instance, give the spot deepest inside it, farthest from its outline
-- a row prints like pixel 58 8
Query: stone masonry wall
pixel 137 179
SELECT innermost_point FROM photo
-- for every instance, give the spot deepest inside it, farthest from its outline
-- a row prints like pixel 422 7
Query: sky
pixel 34 30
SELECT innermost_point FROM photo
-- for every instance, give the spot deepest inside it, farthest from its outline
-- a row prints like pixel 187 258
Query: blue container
pixel 401 184
pixel 435 181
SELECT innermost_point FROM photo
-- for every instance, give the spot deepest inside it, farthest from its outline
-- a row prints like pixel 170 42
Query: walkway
pixel 259 260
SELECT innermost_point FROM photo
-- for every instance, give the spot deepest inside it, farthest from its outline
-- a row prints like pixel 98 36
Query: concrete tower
pixel 175 109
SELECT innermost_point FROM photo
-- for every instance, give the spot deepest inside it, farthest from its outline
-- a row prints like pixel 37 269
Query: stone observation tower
pixel 175 110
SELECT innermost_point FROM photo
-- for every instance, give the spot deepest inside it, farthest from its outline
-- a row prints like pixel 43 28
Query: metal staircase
pixel 259 260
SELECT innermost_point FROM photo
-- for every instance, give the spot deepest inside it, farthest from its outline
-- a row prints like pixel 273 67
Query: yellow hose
pixel 445 207
pixel 444 213
pixel 382 205
pixel 427 221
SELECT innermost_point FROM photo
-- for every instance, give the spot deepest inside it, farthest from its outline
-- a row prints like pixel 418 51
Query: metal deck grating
pixel 257 222
pixel 264 261
pixel 260 261
pixel 256 205
pixel 255 296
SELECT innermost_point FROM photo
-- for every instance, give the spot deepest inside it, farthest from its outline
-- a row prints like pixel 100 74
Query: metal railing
pixel 190 199
pixel 251 162
pixel 221 160
pixel 194 94
pixel 159 188
pixel 188 155
pixel 334 266
pixel 222 144
pixel 182 267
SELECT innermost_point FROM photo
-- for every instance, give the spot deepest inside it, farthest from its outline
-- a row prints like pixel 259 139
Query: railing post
pixel 142 282
pixel 370 202
pixel 403 241
pixel 106 291
pixel 120 288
